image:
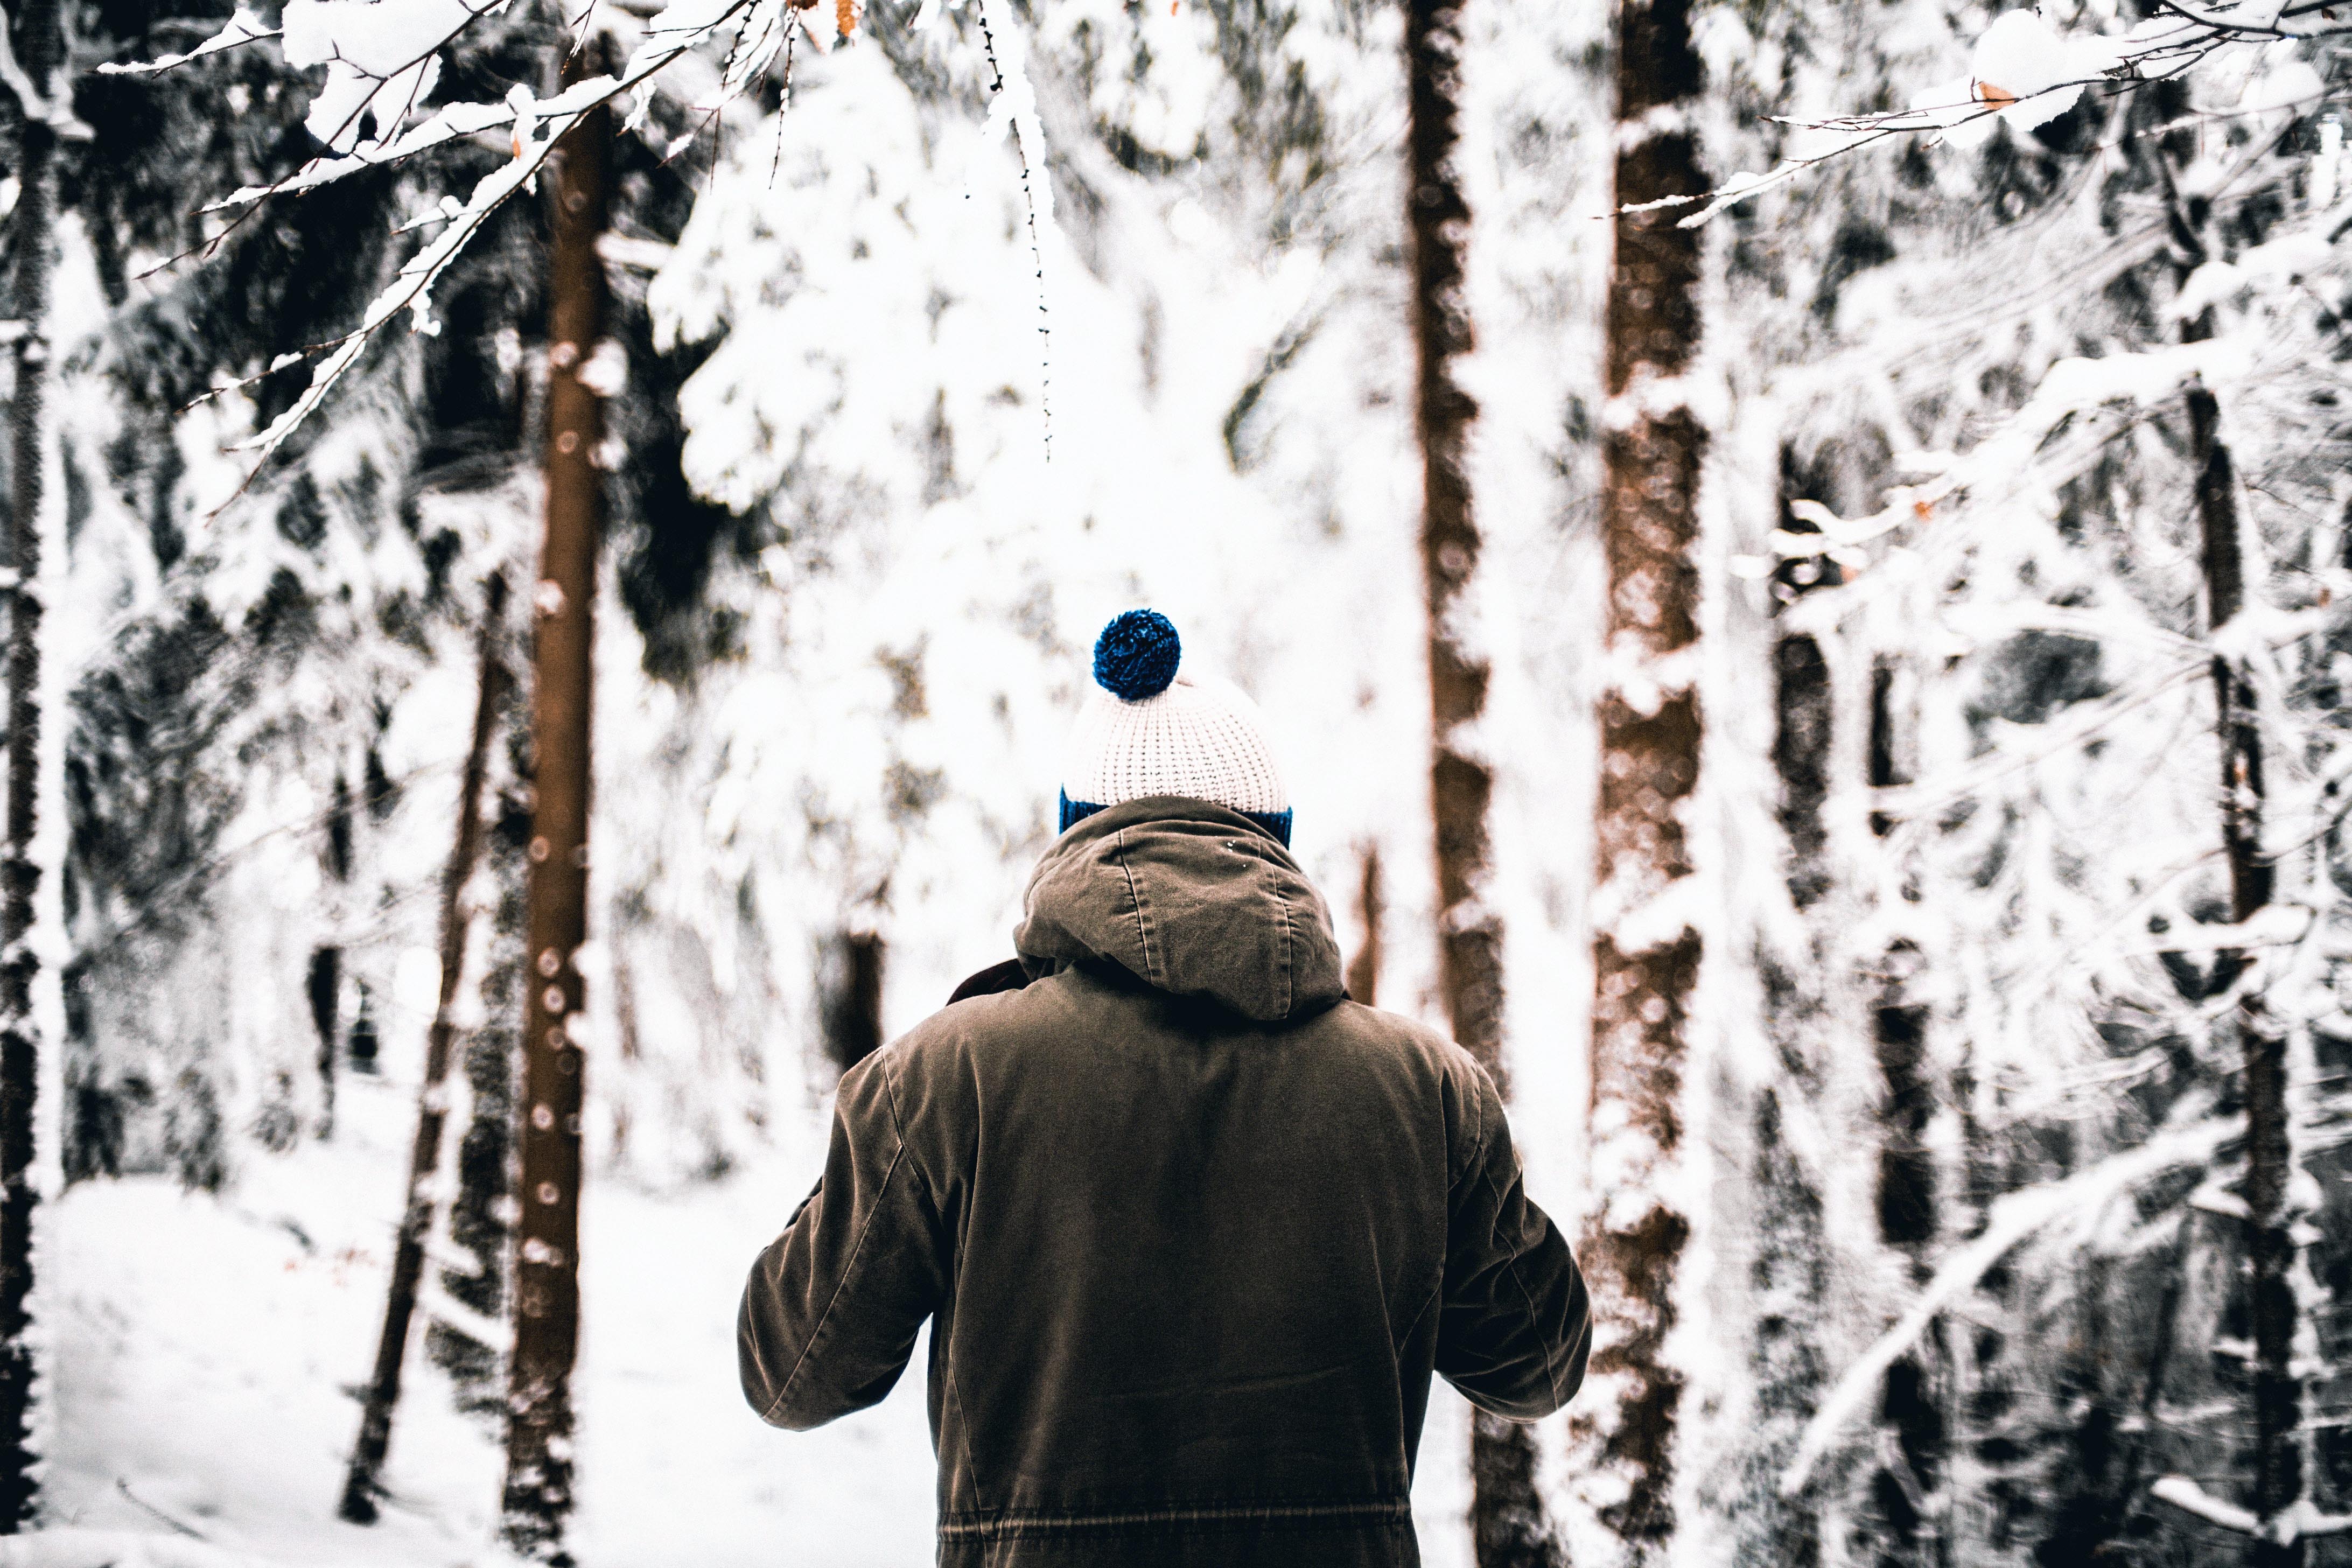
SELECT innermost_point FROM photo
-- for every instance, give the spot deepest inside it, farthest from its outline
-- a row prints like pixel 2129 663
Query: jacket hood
pixel 1193 899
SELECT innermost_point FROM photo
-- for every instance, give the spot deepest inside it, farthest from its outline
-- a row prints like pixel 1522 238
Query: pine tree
pixel 1507 1515
pixel 1650 742
pixel 2276 1314
pixel 538 1485
pixel 39 45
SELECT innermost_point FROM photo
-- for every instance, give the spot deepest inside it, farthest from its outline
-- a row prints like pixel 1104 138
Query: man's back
pixel 1196 1231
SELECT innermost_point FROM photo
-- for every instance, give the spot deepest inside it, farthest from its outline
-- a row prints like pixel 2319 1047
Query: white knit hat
pixel 1148 730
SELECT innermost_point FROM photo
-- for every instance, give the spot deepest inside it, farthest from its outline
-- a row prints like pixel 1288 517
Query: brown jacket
pixel 1194 1229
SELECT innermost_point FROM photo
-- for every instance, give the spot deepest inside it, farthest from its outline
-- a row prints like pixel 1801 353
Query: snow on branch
pixel 380 61
pixel 245 28
pixel 2189 1498
pixel 1013 107
pixel 2011 1219
pixel 2302 1522
pixel 2025 72
pixel 2069 387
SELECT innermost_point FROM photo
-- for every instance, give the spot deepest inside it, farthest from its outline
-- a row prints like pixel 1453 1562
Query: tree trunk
pixel 2278 1390
pixel 481 1230
pixel 1909 1503
pixel 363 1484
pixel 2270 1150
pixel 1507 1518
pixel 1786 1248
pixel 849 997
pixel 322 982
pixel 39 48
pixel 1650 734
pixel 325 979
pixel 538 1497
pixel 1371 904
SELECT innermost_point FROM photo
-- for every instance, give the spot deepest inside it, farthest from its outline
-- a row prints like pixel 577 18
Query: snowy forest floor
pixel 202 1348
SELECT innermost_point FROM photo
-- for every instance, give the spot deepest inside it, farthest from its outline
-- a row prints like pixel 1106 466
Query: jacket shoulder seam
pixel 891 1059
pixel 1478 1132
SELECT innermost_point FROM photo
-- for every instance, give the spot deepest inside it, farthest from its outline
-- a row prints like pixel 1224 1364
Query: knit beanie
pixel 1150 731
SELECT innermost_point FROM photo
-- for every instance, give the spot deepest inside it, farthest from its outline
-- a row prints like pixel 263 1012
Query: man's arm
pixel 830 1312
pixel 1514 1328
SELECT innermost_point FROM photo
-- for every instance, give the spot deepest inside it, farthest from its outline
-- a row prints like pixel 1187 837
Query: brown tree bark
pixel 1371 906
pixel 1506 1516
pixel 39 49
pixel 849 997
pixel 363 1482
pixel 538 1498
pixel 1649 738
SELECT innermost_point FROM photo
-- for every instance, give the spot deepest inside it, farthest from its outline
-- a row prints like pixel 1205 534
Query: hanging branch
pixel 366 76
pixel 2026 72
pixel 1019 106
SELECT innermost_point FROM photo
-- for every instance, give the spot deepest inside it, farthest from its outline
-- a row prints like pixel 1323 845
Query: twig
pixel 124 1486
pixel 1037 251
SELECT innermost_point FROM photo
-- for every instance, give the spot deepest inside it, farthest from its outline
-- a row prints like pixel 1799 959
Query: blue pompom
pixel 1137 654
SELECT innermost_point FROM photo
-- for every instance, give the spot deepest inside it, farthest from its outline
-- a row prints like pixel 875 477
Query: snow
pixel 203 1345
pixel 202 1367
pixel 911 588
pixel 244 28
pixel 2022 60
pixel 2010 1219
pixel 2188 1496
pixel 2286 82
pixel 606 370
pixel 382 60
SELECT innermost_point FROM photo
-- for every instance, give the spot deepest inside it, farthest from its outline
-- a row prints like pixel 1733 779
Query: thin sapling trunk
pixel 363 1482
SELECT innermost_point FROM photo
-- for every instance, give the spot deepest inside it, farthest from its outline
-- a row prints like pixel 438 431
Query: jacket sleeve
pixel 831 1311
pixel 1514 1327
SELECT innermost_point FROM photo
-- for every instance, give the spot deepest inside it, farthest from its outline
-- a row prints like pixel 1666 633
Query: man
pixel 1195 1230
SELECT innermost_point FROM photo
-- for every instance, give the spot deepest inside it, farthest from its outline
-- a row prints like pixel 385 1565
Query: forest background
pixel 1829 679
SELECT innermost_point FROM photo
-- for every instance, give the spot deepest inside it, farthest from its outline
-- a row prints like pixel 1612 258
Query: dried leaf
pixel 1999 97
pixel 845 15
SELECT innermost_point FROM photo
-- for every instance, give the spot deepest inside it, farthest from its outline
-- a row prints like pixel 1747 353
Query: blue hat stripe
pixel 1275 822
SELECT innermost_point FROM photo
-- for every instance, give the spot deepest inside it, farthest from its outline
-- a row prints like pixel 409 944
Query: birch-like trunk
pixel 39 49
pixel 539 1490
pixel 363 1482
pixel 1650 735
